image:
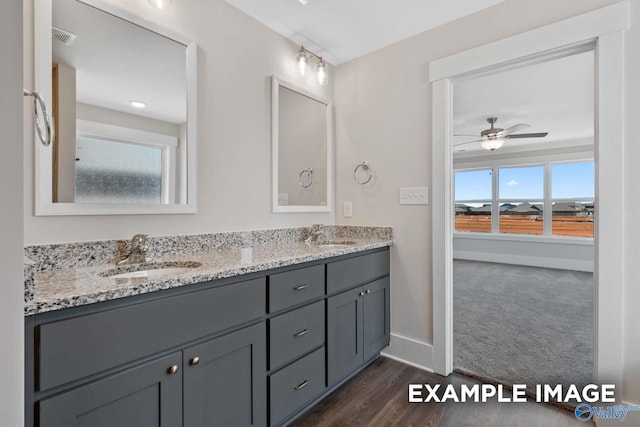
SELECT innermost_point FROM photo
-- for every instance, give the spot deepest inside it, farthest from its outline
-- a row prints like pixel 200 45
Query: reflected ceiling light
pixel 161 4
pixel 303 65
pixel 138 104
pixel 303 2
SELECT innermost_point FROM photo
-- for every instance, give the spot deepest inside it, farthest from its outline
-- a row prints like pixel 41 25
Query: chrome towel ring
pixel 366 168
pixel 305 179
pixel 37 99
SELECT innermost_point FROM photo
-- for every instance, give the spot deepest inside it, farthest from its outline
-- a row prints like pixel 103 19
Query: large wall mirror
pixel 122 93
pixel 302 150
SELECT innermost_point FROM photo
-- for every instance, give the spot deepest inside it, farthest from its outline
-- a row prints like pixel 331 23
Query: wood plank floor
pixel 378 396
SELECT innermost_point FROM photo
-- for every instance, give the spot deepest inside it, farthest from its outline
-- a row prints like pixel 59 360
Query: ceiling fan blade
pixel 464 134
pixel 527 135
pixel 468 142
pixel 513 129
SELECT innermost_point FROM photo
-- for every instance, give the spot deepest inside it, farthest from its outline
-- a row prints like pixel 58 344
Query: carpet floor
pixel 523 325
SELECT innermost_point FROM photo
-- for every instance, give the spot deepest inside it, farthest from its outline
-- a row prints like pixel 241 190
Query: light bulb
pixel 302 62
pixel 322 73
pixel 160 4
pixel 492 144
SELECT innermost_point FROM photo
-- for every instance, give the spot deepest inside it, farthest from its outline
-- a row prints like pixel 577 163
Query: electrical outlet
pixel 414 196
pixel 347 210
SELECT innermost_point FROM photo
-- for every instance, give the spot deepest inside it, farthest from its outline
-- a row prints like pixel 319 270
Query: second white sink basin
pixel 151 273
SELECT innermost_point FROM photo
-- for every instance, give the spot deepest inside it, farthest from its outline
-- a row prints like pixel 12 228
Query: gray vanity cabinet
pixel 357 327
pixel 225 381
pixel 149 395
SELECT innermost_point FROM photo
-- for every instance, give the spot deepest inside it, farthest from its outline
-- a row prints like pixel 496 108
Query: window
pixel 473 191
pixel 552 199
pixel 572 196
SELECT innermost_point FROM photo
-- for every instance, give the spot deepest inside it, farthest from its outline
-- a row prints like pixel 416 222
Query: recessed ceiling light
pixel 138 104
pixel 303 2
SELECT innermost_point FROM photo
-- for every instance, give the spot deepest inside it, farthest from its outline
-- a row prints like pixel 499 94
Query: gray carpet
pixel 522 325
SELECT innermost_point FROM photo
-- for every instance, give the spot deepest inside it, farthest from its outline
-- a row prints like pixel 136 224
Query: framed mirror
pixel 302 153
pixel 122 96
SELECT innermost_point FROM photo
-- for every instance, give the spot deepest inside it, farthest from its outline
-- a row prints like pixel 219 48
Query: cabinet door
pixel 149 395
pixel 226 384
pixel 376 317
pixel 344 334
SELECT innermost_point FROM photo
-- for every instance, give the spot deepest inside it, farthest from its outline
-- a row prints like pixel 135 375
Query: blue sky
pixel 568 181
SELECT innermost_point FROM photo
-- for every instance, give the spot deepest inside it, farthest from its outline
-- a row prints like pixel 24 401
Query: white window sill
pixel 583 241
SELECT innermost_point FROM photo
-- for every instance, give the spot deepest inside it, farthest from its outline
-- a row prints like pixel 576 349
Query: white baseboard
pixel 559 263
pixel 411 352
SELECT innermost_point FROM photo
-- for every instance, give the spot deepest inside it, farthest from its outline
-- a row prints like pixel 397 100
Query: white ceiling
pixel 340 30
pixel 555 96
pixel 117 61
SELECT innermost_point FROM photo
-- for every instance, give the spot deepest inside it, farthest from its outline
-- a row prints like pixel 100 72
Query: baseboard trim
pixel 410 352
pixel 558 263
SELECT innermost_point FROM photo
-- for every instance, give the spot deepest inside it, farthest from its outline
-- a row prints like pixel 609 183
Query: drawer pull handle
pixel 361 294
pixel 300 287
pixel 368 291
pixel 194 361
pixel 301 333
pixel 172 369
pixel 301 385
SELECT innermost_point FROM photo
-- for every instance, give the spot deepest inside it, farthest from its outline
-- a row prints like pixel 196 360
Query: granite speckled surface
pixel 65 278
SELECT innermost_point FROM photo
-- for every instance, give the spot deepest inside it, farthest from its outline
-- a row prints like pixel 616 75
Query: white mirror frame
pixel 44 205
pixel 275 86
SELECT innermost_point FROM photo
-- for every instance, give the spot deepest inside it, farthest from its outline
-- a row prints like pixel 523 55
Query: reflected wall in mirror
pixel 123 103
pixel 302 146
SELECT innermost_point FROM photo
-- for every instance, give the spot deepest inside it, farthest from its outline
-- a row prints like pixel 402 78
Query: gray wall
pixel 12 106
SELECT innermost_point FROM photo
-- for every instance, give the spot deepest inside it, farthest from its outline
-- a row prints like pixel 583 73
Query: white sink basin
pixel 333 243
pixel 151 273
pixel 144 270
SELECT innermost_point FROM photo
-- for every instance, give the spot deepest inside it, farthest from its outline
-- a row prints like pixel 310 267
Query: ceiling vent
pixel 63 37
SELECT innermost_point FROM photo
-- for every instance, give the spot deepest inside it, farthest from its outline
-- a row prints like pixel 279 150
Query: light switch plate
pixel 347 211
pixel 414 196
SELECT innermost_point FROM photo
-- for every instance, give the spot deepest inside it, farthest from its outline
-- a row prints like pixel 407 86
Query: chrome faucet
pixel 314 233
pixel 138 251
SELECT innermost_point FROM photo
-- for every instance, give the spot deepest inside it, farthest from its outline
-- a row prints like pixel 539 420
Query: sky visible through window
pixel 568 181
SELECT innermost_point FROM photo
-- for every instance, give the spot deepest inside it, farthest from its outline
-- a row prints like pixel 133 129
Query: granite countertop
pixel 58 288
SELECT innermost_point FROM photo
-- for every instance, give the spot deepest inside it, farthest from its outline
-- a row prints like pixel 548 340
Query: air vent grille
pixel 63 37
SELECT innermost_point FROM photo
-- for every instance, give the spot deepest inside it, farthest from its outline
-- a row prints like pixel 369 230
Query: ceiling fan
pixel 493 138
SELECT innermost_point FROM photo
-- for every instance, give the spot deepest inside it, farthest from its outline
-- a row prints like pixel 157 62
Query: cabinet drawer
pixel 295 287
pixel 295 333
pixel 296 385
pixel 74 348
pixel 342 275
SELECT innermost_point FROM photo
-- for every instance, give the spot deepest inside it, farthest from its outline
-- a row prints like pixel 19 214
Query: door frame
pixel 604 30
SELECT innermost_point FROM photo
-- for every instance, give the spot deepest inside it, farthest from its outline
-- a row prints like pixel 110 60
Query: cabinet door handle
pixel 172 369
pixel 194 361
pixel 301 287
pixel 368 291
pixel 361 294
pixel 301 333
pixel 301 385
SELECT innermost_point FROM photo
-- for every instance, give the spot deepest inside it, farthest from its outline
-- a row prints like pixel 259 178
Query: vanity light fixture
pixel 138 104
pixel 161 4
pixel 321 68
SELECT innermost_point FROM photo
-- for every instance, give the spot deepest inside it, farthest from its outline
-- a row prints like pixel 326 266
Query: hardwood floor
pixel 378 396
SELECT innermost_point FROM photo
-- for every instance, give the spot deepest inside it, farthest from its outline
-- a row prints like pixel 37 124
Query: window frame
pixel 547 201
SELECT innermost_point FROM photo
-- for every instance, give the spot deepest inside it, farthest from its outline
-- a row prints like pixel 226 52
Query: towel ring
pixel 309 180
pixel 37 99
pixel 365 167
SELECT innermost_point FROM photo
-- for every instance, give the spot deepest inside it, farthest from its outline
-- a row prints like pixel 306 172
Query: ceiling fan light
pixel 492 144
